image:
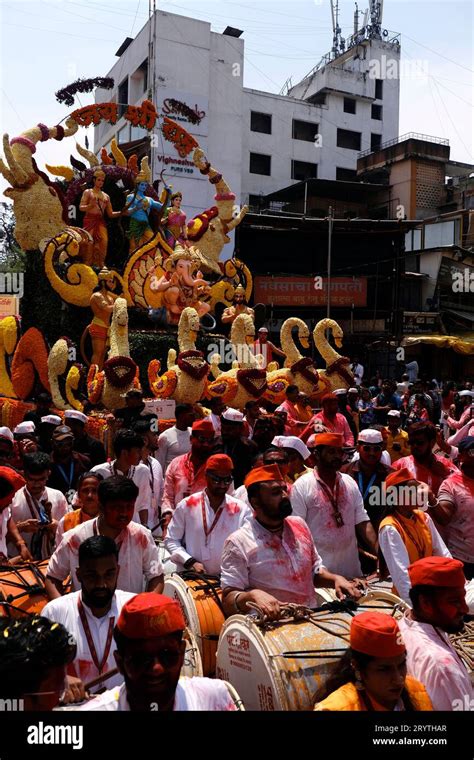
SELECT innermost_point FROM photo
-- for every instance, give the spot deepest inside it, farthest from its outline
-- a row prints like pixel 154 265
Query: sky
pixel 46 44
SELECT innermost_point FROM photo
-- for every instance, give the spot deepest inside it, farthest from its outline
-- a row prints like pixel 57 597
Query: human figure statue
pixel 239 306
pixel 175 222
pixel 139 206
pixel 102 305
pixel 96 205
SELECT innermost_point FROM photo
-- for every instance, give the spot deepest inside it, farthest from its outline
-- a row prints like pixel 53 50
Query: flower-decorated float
pixel 113 264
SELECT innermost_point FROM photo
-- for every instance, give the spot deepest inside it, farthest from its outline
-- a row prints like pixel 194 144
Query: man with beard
pixel 422 463
pixel 332 420
pixel 455 509
pixel 272 560
pixel 202 522
pixel 438 597
pixel 241 450
pixel 149 655
pixel 332 505
pixel 89 614
pixel 83 442
pixel 368 472
pixel 239 306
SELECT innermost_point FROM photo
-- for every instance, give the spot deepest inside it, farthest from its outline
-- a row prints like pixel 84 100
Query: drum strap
pixel 85 624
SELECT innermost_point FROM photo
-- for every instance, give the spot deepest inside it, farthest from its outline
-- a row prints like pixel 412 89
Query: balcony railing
pixel 403 138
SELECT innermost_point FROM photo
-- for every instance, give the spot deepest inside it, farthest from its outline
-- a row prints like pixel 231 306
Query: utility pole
pixel 330 224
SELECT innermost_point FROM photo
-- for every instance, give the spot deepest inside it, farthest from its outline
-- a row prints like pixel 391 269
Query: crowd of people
pixel 374 481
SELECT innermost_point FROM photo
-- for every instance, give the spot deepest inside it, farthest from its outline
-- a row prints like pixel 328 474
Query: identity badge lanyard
pixel 204 518
pixel 85 624
pixel 369 486
pixel 71 491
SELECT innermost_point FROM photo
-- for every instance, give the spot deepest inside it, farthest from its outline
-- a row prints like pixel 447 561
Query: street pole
pixel 330 220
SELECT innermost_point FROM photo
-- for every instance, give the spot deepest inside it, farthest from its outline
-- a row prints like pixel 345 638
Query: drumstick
pixel 100 679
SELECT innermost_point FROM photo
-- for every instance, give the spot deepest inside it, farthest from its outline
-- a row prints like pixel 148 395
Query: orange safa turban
pixel 437 571
pixel 376 634
pixel 261 474
pixel 148 615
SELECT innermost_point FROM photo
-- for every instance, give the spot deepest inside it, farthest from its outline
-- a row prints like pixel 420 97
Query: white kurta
pixel 139 559
pixel 396 555
pixel 433 661
pixel 140 476
pixel 21 511
pixel 186 538
pixel 336 545
pixel 197 694
pixel 156 487
pixel 283 566
pixel 171 444
pixel 5 515
pixel 65 611
pixel 458 489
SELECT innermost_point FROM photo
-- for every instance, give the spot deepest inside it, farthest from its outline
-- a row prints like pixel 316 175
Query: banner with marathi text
pixel 310 291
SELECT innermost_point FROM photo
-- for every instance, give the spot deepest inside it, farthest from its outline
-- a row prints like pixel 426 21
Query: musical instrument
pixel 235 697
pixel 22 589
pixel 192 665
pixel 200 599
pixel 280 665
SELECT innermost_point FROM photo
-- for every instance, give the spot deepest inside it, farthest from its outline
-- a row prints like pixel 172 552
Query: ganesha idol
pixel 182 284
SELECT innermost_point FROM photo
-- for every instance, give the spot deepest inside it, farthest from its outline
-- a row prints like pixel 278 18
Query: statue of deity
pixel 175 222
pixel 239 306
pixel 182 284
pixel 139 206
pixel 96 205
pixel 102 305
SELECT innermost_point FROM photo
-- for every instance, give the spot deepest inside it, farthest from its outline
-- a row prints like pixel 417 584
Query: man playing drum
pixel 272 558
pixel 149 655
pixel 202 522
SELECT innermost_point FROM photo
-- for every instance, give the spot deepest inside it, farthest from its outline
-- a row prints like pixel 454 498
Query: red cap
pixel 262 474
pixel 219 462
pixel 398 477
pixel 328 397
pixel 437 571
pixel 148 615
pixel 203 426
pixel 376 634
pixel 329 439
pixel 15 480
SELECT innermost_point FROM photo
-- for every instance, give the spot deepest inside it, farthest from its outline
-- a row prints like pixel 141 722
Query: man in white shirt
pixel 128 447
pixel 202 522
pixel 149 655
pixel 333 508
pixel 10 482
pixel 146 429
pixel 90 614
pixel 357 370
pixel 439 605
pixel 139 559
pixel 36 508
pixel 176 441
pixel 272 559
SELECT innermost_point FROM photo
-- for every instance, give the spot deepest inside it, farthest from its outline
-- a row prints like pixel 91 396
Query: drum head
pixel 22 589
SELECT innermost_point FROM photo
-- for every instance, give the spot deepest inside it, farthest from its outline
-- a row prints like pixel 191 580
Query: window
pixel 136 133
pixel 378 89
pixel 412 243
pixel 304 130
pixel 318 99
pixel 375 141
pixel 442 233
pixel 123 97
pixel 261 122
pixel 302 170
pixel 346 175
pixel 260 164
pixel 256 201
pixel 376 112
pixel 348 139
pixel 123 134
pixel 349 105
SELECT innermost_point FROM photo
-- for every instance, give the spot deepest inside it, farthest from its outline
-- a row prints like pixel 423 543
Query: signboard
pixel 190 111
pixel 310 291
pixel 9 306
pixel 164 409
pixel 420 323
pixel 450 271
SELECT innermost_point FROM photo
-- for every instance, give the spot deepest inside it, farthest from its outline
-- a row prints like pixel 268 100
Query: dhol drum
pixel 192 665
pixel 22 589
pixel 281 665
pixel 235 697
pixel 200 600
pixel 168 566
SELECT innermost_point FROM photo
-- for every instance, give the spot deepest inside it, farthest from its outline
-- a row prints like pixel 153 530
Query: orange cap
pixel 437 571
pixel 14 480
pixel 219 462
pixel 376 634
pixel 261 474
pixel 329 439
pixel 203 426
pixel 148 615
pixel 398 477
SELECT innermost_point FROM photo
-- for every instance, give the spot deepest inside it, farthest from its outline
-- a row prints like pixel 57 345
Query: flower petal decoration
pixel 166 384
pixel 307 369
pixel 30 362
pixel 95 384
pixel 120 371
pixel 254 381
pixel 193 363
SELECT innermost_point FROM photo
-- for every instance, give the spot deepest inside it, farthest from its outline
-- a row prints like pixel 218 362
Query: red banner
pixel 310 291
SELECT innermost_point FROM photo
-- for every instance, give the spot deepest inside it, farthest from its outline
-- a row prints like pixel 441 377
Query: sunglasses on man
pixel 372 447
pixel 225 479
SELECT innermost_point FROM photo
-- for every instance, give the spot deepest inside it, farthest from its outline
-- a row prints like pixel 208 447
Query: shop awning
pixel 462 345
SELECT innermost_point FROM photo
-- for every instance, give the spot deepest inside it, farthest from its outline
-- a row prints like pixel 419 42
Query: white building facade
pixel 260 141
